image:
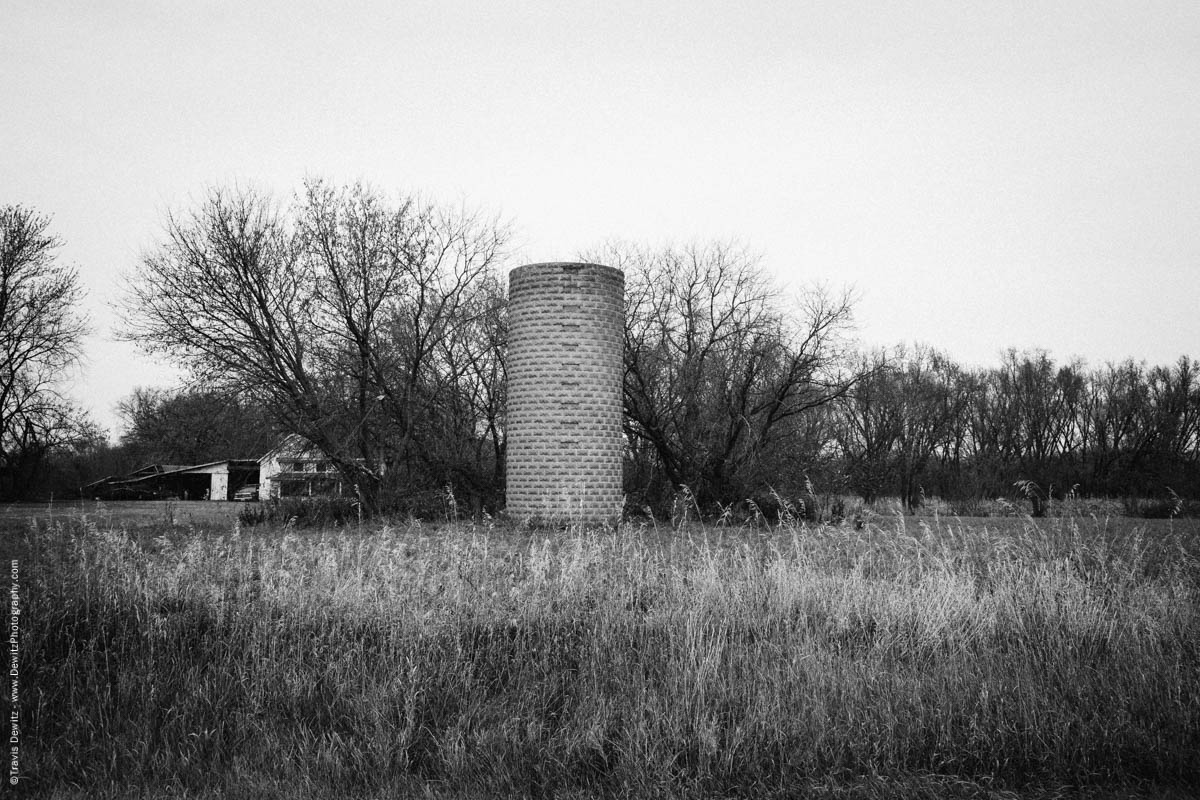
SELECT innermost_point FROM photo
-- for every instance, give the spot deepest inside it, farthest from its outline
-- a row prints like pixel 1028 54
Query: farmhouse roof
pixel 292 445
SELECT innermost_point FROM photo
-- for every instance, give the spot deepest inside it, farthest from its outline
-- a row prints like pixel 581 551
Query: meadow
pixel 187 657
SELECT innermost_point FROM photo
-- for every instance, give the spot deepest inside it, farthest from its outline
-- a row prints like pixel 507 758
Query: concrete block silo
pixel 565 443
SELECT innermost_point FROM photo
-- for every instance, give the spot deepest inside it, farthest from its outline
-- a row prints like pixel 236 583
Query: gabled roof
pixel 292 445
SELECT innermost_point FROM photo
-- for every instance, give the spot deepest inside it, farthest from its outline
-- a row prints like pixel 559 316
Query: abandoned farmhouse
pixel 293 467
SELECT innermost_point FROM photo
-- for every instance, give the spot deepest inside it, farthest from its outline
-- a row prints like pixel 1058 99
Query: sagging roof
pixel 153 472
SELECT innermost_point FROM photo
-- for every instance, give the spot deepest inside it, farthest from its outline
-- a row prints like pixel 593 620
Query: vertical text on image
pixel 14 674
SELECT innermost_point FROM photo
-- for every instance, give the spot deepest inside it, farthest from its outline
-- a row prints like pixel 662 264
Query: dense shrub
pixel 307 512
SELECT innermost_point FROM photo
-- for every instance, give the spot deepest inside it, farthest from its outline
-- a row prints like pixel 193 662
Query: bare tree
pixel 933 399
pixel 336 315
pixel 1175 396
pixel 908 409
pixel 868 423
pixel 41 328
pixel 721 369
pixel 1121 420
pixel 191 426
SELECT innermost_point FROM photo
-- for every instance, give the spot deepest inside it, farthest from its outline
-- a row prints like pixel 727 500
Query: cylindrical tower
pixel 566 328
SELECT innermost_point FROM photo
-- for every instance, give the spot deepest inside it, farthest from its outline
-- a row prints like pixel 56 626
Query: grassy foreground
pixel 939 659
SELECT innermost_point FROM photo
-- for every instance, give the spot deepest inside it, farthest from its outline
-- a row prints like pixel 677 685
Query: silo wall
pixel 565 443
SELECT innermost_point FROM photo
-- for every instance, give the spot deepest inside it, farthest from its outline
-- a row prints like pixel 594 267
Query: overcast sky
pixel 986 175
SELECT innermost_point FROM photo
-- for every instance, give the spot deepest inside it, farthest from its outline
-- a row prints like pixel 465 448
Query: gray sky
pixel 986 175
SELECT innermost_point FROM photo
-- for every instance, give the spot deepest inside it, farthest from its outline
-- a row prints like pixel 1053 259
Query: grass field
pixel 169 514
pixel 183 656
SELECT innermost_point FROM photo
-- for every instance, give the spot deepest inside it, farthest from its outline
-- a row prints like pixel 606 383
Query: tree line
pixel 919 424
pixel 376 329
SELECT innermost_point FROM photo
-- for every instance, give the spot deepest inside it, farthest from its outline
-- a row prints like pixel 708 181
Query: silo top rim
pixel 548 265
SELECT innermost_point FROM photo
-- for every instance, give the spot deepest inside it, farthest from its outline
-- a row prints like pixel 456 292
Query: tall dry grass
pixel 932 660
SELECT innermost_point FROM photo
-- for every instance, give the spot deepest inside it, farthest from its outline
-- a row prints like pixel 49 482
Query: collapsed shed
pixel 216 480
